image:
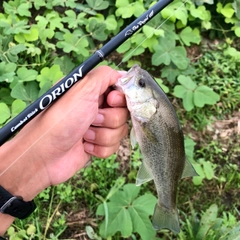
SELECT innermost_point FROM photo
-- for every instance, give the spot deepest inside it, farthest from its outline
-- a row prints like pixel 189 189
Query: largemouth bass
pixel 158 132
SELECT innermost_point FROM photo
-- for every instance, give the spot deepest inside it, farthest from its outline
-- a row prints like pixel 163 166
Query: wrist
pixel 20 169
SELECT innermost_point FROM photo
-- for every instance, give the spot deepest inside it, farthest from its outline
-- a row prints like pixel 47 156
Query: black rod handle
pixel 77 74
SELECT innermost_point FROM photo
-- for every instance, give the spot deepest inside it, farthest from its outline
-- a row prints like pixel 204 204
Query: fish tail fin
pixel 165 218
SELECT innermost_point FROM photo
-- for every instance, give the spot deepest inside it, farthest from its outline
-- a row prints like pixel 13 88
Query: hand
pixel 88 120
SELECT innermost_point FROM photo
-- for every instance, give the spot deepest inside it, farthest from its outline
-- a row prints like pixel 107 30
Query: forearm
pixel 19 172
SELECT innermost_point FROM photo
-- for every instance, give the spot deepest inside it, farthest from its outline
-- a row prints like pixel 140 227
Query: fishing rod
pixel 77 74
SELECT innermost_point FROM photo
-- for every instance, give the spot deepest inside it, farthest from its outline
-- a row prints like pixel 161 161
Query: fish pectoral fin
pixel 165 218
pixel 149 134
pixel 188 170
pixel 133 138
pixel 144 175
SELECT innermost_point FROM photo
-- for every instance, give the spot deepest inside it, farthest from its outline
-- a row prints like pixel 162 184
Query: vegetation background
pixel 192 49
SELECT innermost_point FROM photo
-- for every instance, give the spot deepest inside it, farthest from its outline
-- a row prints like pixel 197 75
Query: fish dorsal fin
pixel 144 175
pixel 188 170
pixel 133 138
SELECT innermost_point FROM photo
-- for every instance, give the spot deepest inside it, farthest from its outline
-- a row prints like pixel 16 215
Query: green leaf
pixel 23 10
pixel 188 35
pixel 4 113
pixel 187 82
pixel 188 101
pixel 129 210
pixel 189 148
pixel 197 180
pixel 33 35
pixel 207 220
pixel 27 92
pixel 111 23
pixel 139 211
pixel 205 95
pixel 98 4
pixel 208 170
pixel 26 75
pixel 227 11
pixel 97 30
pixel 17 107
pixel 7 71
pixel 179 91
pixel 51 75
pixel 75 42
pixel 178 56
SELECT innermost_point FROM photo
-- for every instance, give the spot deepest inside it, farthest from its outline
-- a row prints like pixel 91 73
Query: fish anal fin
pixel 165 218
pixel 144 175
pixel 188 170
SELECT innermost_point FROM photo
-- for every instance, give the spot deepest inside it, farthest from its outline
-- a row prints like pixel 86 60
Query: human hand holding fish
pixel 157 130
pixel 56 144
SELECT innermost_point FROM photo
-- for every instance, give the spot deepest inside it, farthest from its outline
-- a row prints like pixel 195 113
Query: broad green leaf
pixel 178 56
pixel 207 220
pixel 205 95
pixel 111 23
pixel 17 107
pixel 4 113
pixel 51 75
pixel 139 211
pixel 125 11
pixel 33 35
pixel 128 213
pixel 188 35
pixel 187 82
pixel 237 31
pixel 161 84
pixel 119 220
pixel 75 42
pixel 98 4
pixel 236 6
pixel 189 148
pixel 188 101
pixel 27 92
pixel 66 64
pixel 227 11
pixel 7 71
pixel 170 72
pixel 97 30
pixel 197 180
pixel 26 75
pixel 121 3
pixel 179 91
pixel 23 9
pixel 208 170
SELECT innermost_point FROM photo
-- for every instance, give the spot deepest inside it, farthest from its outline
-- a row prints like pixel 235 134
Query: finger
pixel 111 117
pixel 102 77
pixel 105 136
pixel 100 151
pixel 116 99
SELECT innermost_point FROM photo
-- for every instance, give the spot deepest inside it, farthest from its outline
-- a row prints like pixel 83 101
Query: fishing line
pixel 77 104
pixel 155 29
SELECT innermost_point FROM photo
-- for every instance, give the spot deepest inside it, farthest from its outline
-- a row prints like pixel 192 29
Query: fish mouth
pixel 130 74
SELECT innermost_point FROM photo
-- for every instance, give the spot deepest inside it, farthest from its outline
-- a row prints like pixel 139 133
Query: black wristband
pixel 2 238
pixel 15 206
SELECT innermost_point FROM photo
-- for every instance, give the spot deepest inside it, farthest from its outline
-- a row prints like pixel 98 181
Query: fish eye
pixel 141 83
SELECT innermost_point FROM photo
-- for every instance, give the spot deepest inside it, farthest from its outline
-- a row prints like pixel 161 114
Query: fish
pixel 157 130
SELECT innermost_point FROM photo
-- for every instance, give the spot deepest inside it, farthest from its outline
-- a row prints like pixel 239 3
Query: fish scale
pixel 157 130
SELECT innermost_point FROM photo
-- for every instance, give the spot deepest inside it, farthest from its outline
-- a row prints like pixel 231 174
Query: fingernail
pixel 89 135
pixel 122 72
pixel 99 119
pixel 88 147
